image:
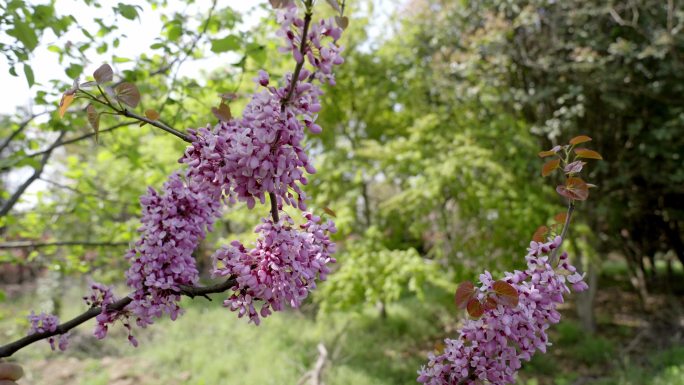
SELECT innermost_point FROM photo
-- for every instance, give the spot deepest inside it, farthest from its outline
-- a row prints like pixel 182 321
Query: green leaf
pixel 25 34
pixel 128 11
pixel 29 75
pixel 74 71
pixel 228 43
pixel 13 71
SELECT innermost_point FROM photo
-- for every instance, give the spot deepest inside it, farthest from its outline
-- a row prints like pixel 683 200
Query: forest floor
pixel 208 345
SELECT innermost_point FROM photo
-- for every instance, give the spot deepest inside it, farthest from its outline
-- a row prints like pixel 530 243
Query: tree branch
pixel 19 130
pixel 37 245
pixel 156 123
pixel 7 206
pixel 189 291
pixel 564 232
pixel 70 141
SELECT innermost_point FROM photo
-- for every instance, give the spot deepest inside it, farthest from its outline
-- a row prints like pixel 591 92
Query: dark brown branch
pixel 157 124
pixel 37 245
pixel 564 232
pixel 298 67
pixel 288 96
pixel 190 291
pixel 7 206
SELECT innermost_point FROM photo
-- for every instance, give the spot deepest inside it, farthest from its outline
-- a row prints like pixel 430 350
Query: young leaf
pixel 222 113
pixel 279 3
pixel 335 5
pixel 475 308
pixel 580 139
pixel 128 94
pixel 540 234
pixel 574 167
pixel 490 303
pixel 94 120
pixel 342 21
pixel 575 189
pixel 87 84
pixel 103 74
pixel 29 75
pixel 464 293
pixel 228 43
pixel 550 166
pixel 506 293
pixel 560 217
pixel 329 211
pixel 64 104
pixel 587 153
pixel 152 114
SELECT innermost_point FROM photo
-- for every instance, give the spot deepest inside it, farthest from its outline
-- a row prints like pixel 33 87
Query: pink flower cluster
pixel 239 160
pixel 173 223
pixel 281 269
pixel 43 323
pixel 102 296
pixel 491 348
pixel 262 152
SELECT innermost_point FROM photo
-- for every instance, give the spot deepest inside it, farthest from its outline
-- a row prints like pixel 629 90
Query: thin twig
pixel 156 123
pixel 190 291
pixel 7 205
pixel 19 130
pixel 37 245
pixel 564 232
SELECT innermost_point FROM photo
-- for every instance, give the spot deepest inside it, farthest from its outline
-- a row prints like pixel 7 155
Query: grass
pixel 208 345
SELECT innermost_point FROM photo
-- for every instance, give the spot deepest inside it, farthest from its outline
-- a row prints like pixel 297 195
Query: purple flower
pixel 492 348
pixel 43 323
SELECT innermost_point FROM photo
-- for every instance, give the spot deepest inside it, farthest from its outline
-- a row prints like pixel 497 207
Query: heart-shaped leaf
pixel 94 120
pixel 574 188
pixel 550 166
pixel 222 113
pixel 464 293
pixel 152 114
pixel 342 21
pixel 587 153
pixel 506 293
pixel 103 74
pixel 128 94
pixel 475 308
pixel 540 234
pixel 580 139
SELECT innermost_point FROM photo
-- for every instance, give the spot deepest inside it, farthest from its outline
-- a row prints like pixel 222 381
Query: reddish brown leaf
pixel 94 120
pixel 544 154
pixel 506 293
pixel 490 303
pixel 580 139
pixel 560 217
pixel 222 113
pixel 574 188
pixel 475 308
pixel 540 234
pixel 128 94
pixel 64 104
pixel 550 166
pixel 151 114
pixel 464 293
pixel 587 153
pixel 103 74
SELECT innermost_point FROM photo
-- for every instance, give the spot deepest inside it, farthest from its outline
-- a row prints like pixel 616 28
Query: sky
pixel 141 34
